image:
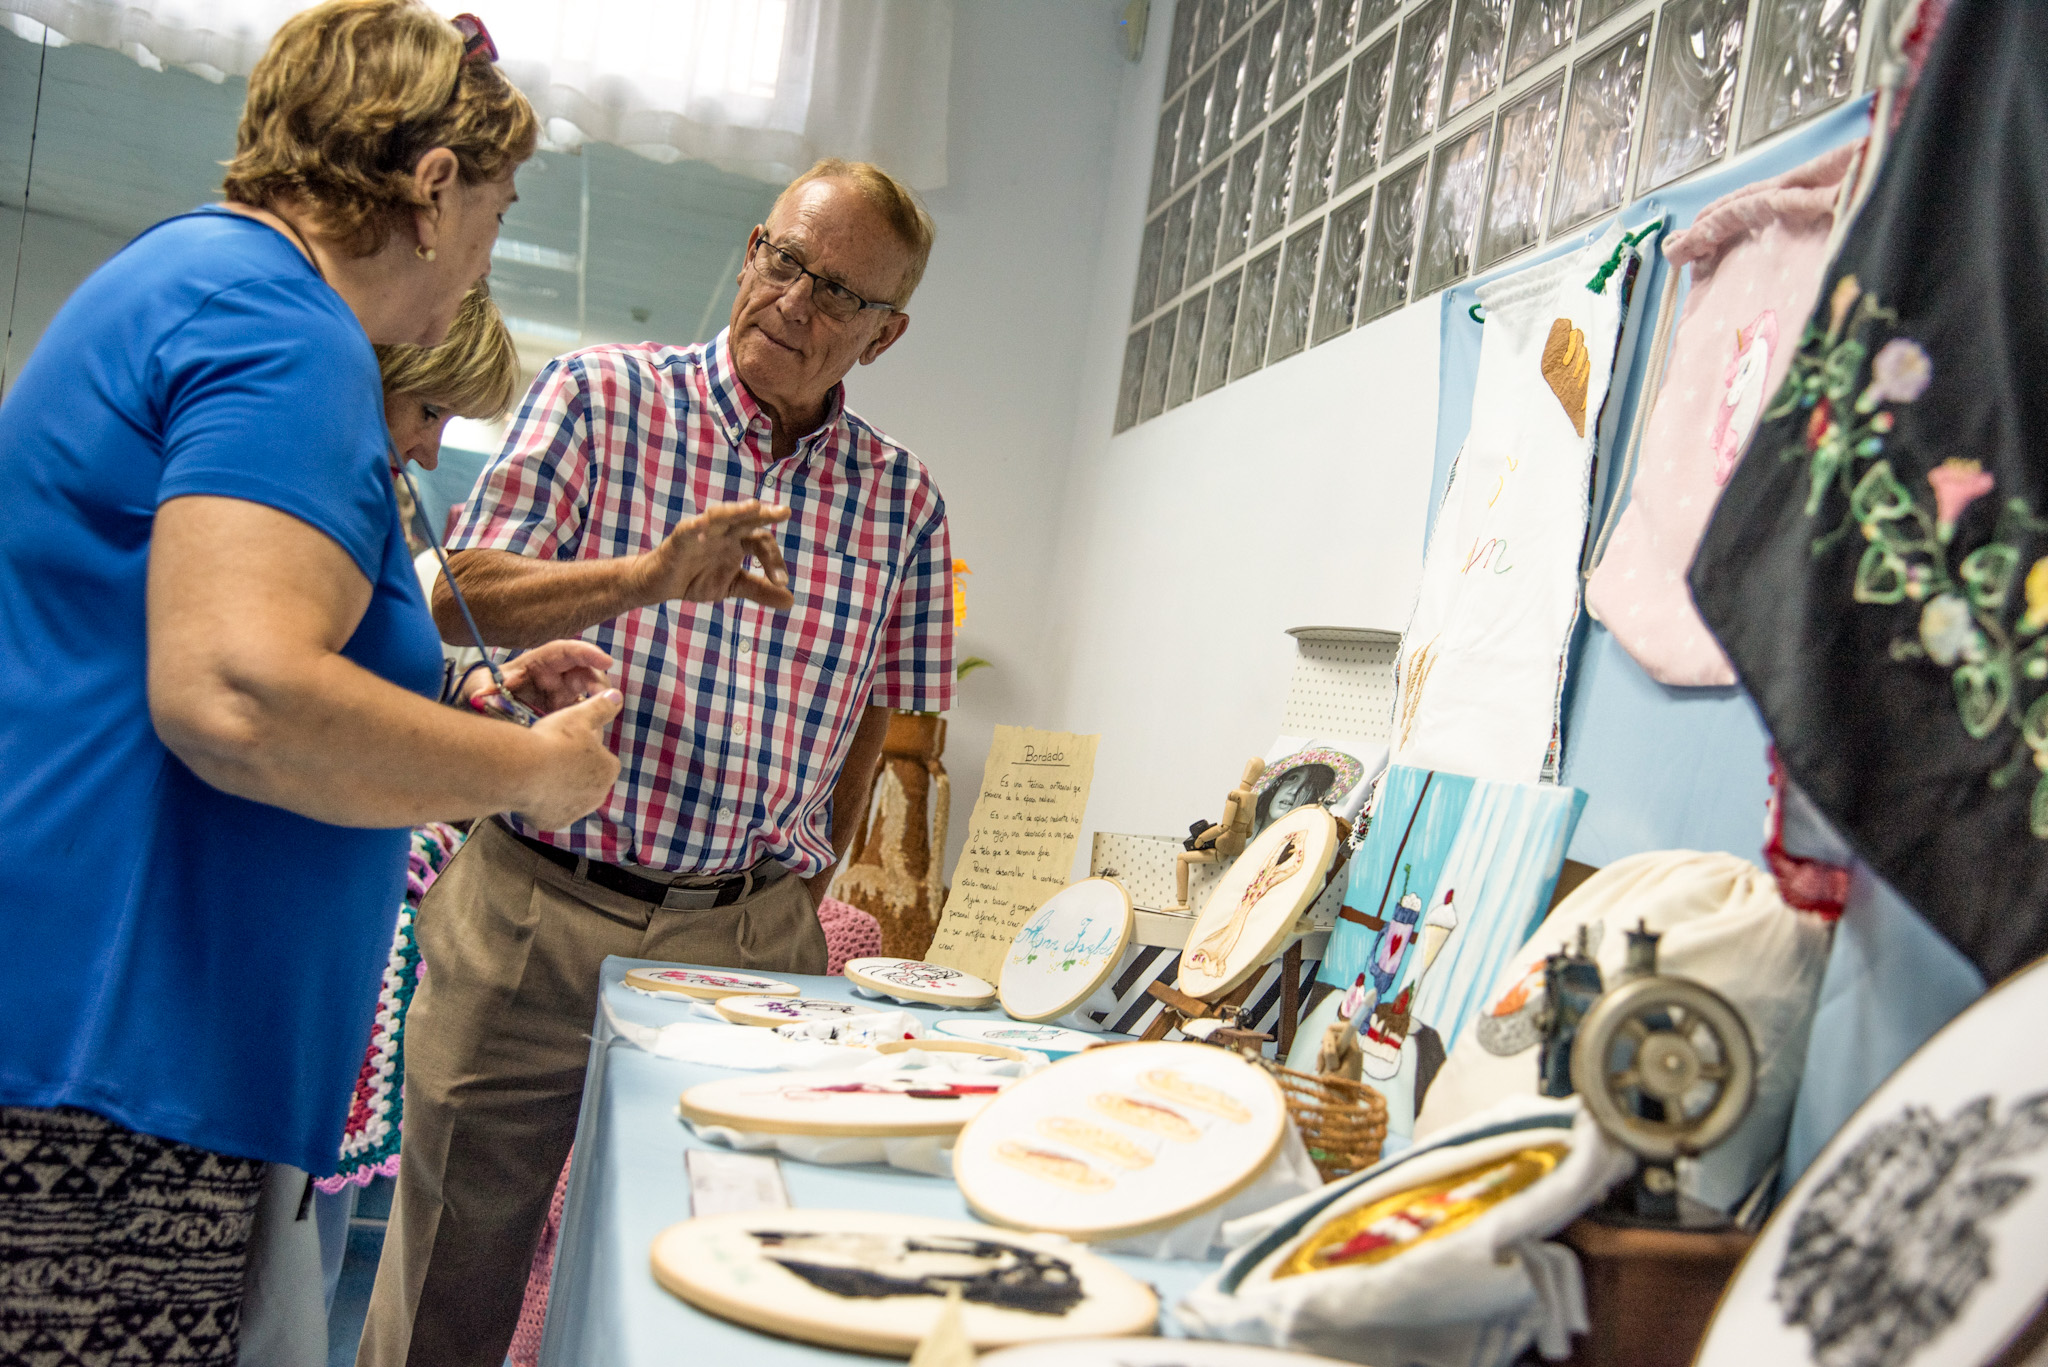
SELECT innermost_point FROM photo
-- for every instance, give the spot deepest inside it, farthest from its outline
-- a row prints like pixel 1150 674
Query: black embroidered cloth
pixel 1878 566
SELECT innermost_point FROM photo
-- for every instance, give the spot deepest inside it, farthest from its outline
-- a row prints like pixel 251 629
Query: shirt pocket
pixel 843 603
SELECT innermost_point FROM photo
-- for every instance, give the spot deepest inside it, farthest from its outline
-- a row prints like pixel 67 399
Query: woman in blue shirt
pixel 218 680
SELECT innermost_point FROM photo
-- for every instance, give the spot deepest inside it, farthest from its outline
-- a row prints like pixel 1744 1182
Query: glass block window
pixel 1320 163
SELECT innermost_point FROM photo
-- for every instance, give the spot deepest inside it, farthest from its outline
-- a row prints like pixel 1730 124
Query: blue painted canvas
pixel 1454 874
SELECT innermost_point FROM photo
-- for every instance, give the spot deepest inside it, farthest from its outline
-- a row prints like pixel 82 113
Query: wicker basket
pixel 1342 1122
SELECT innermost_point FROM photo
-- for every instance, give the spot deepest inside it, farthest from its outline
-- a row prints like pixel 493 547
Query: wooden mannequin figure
pixel 1224 840
pixel 1338 1052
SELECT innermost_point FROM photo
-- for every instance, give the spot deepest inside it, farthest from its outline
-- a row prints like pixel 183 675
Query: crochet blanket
pixel 369 1144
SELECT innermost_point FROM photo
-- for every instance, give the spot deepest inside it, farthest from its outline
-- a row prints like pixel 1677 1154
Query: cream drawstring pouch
pixel 1756 257
pixel 1724 926
pixel 1438 1256
pixel 1482 662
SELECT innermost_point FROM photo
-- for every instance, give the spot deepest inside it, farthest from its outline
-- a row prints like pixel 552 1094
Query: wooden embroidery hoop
pixel 1012 995
pixel 758 986
pixel 1150 1352
pixel 943 1044
pixel 1072 1082
pixel 974 993
pixel 696 1261
pixel 1181 1006
pixel 748 1010
pixel 1264 925
pixel 731 1104
pixel 1957 1050
pixel 1069 1041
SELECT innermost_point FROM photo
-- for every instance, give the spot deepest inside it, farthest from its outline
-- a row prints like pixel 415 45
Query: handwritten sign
pixel 1020 844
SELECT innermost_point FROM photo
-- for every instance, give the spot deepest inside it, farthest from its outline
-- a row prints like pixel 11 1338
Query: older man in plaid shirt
pixel 750 731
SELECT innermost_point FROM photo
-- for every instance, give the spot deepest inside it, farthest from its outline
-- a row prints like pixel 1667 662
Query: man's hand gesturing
pixel 704 558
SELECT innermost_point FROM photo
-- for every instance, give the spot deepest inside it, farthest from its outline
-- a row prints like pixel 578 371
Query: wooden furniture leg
pixel 1290 998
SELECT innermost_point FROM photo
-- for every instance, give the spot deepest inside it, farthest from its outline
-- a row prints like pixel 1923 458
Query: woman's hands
pixel 547 678
pixel 565 682
pixel 580 768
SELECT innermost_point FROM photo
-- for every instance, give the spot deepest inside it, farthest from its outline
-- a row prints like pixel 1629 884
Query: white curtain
pixel 762 87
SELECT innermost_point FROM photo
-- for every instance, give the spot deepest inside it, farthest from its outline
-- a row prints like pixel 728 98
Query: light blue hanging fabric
pixel 1685 768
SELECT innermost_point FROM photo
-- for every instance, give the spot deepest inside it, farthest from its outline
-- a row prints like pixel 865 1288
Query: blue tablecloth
pixel 628 1184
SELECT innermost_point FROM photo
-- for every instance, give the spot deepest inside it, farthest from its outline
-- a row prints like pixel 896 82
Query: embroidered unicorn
pixel 1744 391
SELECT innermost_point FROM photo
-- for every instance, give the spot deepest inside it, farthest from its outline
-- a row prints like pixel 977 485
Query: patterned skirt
pixel 117 1247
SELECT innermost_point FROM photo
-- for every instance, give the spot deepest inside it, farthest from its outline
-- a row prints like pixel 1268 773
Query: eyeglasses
pixel 833 299
pixel 476 39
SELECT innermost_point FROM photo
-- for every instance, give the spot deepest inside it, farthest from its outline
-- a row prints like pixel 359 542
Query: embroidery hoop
pixel 1182 1179
pixel 757 1104
pixel 760 1009
pixel 1036 990
pixel 970 994
pixel 1150 1352
pixel 715 1264
pixel 1271 918
pixel 1970 1056
pixel 1064 1043
pixel 944 1045
pixel 654 980
pixel 1348 770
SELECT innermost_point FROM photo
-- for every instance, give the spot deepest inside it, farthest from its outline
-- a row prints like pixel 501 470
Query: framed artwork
pixel 1151 1353
pixel 1066 950
pixel 1915 1236
pixel 882 1106
pixel 1121 1140
pixel 1453 877
pixel 1256 902
pixel 1051 1040
pixel 1331 772
pixel 873 1282
pixel 914 980
pixel 706 984
pixel 782 1010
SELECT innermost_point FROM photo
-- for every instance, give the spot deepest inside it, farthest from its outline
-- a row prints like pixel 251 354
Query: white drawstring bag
pixel 1723 925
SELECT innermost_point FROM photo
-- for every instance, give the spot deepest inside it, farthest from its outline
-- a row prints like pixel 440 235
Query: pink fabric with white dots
pixel 1756 258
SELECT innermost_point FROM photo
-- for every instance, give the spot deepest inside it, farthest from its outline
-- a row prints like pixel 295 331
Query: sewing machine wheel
pixel 1665 1066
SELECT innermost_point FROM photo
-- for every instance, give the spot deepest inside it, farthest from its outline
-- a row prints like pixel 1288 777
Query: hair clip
pixel 476 39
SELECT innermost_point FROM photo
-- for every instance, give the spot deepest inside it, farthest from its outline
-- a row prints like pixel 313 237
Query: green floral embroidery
pixel 1966 622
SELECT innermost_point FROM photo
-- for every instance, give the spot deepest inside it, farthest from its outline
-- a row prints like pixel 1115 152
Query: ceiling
pixel 119 146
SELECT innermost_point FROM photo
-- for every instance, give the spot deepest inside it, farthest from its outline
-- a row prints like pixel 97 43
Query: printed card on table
pixel 1020 844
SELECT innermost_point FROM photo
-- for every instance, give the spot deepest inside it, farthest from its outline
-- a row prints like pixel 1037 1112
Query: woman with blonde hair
pixel 218 681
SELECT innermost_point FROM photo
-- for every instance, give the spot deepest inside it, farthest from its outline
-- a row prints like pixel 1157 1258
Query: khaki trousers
pixel 496 1044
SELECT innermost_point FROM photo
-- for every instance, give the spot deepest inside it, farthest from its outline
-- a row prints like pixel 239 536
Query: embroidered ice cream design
pixel 1567 367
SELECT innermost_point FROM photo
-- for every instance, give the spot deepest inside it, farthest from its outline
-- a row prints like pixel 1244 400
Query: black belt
pixel 695 894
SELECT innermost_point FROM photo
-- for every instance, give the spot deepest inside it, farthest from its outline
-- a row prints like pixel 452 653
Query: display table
pixel 628 1184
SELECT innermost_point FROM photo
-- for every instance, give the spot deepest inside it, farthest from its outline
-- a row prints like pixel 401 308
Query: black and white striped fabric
pixel 1135 1008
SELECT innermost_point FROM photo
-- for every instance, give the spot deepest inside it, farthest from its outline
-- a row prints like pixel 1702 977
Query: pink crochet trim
pixel 533 1312
pixel 850 933
pixel 361 1177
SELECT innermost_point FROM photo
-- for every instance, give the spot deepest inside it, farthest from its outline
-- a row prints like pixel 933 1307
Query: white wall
pixel 1136 586
pixel 1190 543
pixel 982 386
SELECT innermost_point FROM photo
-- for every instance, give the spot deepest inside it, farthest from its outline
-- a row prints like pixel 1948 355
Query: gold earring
pixel 423 253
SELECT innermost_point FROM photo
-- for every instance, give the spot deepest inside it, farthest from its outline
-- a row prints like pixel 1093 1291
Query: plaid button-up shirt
pixel 737 718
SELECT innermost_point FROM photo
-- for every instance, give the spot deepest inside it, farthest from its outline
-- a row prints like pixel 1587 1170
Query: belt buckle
pixel 681 898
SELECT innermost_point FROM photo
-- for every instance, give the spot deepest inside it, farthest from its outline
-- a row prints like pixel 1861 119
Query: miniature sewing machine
pixel 1666 1068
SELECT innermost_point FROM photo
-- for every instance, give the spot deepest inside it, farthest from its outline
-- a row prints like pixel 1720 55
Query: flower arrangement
pixel 962 668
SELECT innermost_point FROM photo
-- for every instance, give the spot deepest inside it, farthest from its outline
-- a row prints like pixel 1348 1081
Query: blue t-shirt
pixel 189 964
